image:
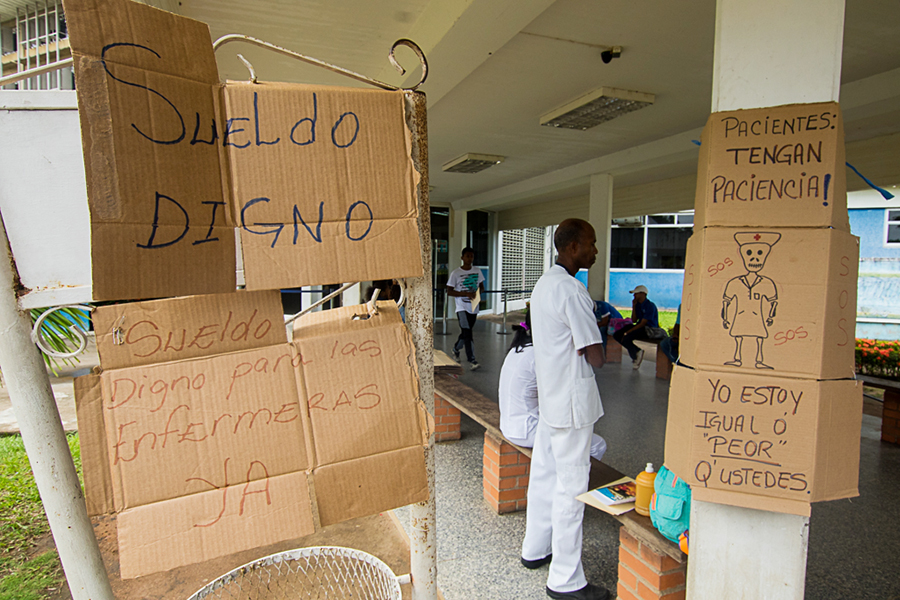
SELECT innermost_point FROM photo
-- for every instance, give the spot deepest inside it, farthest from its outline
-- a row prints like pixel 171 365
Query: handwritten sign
pixel 318 181
pixel 207 424
pixel 762 300
pixel 774 167
pixel 793 440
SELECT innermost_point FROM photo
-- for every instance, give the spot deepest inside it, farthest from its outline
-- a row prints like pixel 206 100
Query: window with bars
pixel 523 260
pixel 892 227
pixel 35 38
pixel 657 242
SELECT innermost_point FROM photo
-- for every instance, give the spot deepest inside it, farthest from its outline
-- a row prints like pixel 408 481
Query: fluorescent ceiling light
pixel 599 106
pixel 472 163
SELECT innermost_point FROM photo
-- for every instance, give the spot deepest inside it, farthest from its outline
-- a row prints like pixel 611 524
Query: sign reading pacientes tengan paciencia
pixel 773 167
pixel 318 181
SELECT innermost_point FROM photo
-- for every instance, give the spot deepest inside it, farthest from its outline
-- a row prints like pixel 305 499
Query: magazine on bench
pixel 615 498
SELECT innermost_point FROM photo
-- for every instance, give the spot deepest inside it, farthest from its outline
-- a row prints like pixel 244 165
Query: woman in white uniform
pixel 519 393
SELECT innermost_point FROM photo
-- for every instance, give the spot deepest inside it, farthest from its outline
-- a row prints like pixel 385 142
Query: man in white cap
pixel 644 314
pixel 754 296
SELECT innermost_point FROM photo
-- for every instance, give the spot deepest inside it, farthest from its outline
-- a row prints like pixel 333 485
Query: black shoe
pixel 588 592
pixel 537 563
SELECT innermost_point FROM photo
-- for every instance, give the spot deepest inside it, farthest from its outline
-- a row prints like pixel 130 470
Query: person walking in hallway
pixel 567 344
pixel 465 284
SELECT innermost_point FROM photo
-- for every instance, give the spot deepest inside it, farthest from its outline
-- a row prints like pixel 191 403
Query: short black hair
pixel 568 232
pixel 466 250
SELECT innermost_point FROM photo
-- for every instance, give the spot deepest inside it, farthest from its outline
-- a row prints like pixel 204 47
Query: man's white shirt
pixel 563 322
pixel 465 281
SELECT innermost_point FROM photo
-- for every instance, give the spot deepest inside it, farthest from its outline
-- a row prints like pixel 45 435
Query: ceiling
pixel 497 65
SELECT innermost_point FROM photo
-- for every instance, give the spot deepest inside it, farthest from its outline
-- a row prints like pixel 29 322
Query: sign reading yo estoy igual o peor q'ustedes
pixel 781 166
pixel 319 181
pixel 762 441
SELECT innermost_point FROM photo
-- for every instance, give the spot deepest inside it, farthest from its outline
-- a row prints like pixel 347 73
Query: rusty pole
pixel 419 320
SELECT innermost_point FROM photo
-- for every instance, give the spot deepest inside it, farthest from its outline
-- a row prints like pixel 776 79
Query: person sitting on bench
pixel 519 393
pixel 643 314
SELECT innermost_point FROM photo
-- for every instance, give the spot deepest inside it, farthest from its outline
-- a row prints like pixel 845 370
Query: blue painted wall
pixel 868 224
pixel 878 288
pixel 665 287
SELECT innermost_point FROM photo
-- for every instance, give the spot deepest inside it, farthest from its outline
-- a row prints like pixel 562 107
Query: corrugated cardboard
pixel 762 441
pixel 810 276
pixel 322 184
pixel 319 181
pixel 208 448
pixel 190 327
pixel 143 76
pixel 780 166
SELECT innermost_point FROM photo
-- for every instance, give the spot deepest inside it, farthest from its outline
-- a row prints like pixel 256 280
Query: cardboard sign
pixel 319 181
pixel 782 166
pixel 776 301
pixel 764 442
pixel 322 183
pixel 209 434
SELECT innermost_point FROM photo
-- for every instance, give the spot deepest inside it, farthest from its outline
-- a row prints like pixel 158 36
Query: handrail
pixel 34 72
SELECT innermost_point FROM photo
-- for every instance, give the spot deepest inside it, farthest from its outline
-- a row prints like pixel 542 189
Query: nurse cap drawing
pixel 749 300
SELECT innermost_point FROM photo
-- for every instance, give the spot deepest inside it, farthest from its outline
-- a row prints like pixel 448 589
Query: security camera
pixel 607 55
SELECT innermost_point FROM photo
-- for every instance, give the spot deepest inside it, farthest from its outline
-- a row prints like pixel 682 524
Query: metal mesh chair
pixel 320 572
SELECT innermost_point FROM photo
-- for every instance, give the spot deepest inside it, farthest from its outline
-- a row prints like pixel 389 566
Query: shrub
pixel 878 358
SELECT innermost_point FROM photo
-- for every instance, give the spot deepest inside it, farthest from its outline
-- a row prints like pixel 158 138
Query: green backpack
pixel 670 506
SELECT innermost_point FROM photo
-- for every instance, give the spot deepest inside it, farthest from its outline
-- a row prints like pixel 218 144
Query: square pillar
pixel 600 216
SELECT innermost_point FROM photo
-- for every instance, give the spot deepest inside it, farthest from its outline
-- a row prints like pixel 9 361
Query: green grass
pixel 22 522
pixel 666 317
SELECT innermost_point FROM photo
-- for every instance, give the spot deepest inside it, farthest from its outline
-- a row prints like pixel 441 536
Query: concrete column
pixel 600 216
pixel 767 52
pixel 458 239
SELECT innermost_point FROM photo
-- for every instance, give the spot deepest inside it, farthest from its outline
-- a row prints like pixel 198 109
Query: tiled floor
pixel 853 544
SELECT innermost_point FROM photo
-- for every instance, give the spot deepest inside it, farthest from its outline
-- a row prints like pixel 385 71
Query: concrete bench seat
pixel 890 416
pixel 614 352
pixel 645 556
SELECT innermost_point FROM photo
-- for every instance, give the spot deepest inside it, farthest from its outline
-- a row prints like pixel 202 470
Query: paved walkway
pixel 853 544
pixel 62 390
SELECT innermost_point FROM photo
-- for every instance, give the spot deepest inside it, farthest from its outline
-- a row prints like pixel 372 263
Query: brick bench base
pixel 613 351
pixel 505 474
pixel 645 574
pixel 663 364
pixel 446 420
pixel 890 417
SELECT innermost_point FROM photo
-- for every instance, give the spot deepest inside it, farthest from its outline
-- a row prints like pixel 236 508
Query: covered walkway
pixel 853 544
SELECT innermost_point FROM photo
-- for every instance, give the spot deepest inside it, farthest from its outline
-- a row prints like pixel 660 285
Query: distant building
pixel 877 223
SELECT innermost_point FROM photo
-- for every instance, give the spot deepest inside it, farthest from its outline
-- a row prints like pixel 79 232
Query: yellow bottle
pixel 644 484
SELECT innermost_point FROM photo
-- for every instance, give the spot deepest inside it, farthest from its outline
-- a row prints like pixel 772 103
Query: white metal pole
pixel 419 319
pixel 25 376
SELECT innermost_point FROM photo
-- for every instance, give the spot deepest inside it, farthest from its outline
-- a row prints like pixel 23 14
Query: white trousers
pixel 560 468
pixel 598 444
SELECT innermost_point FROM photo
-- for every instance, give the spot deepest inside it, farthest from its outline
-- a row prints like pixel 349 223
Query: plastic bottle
pixel 644 484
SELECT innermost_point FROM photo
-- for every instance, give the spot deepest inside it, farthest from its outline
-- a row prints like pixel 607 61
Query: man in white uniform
pixel 567 343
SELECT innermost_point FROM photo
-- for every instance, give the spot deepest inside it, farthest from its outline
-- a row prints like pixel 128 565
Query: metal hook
pixel 415 48
pixel 235 37
pixel 117 337
pixel 402 284
pixel 371 307
pixel 38 338
pixel 249 68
